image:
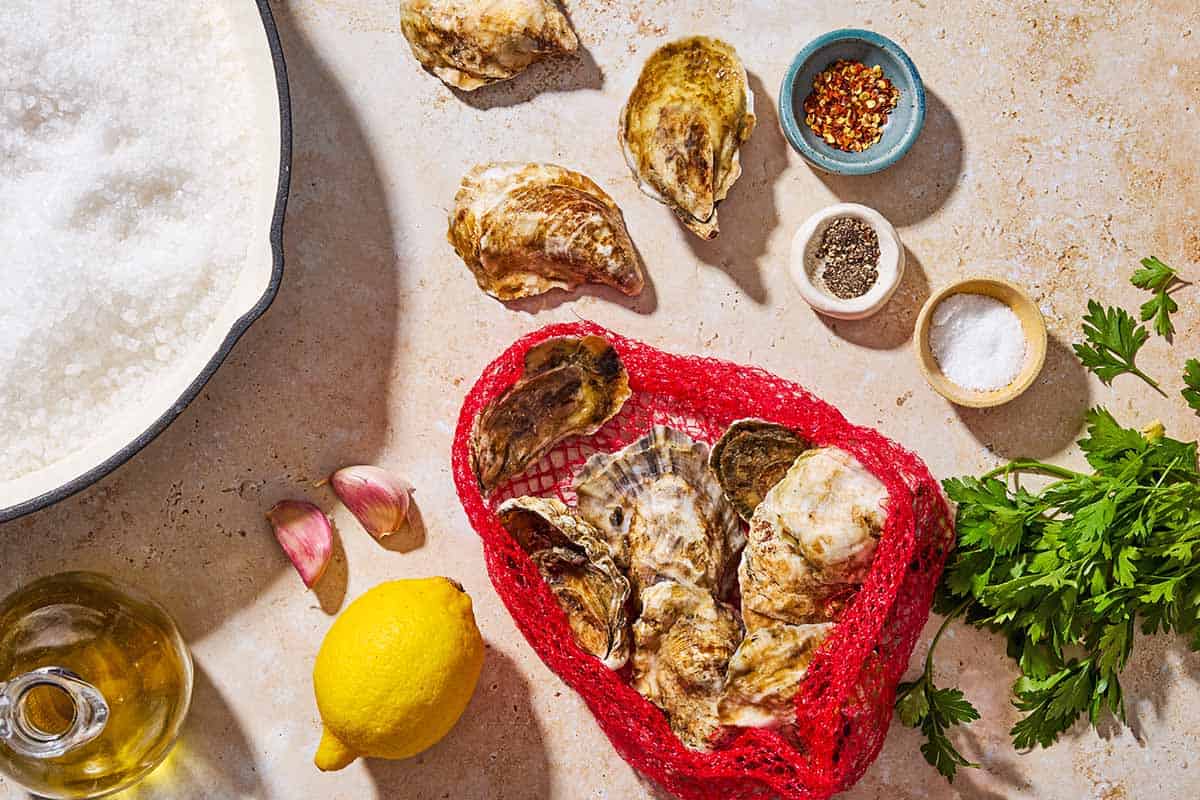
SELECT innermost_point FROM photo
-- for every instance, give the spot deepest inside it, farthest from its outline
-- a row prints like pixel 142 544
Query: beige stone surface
pixel 1060 147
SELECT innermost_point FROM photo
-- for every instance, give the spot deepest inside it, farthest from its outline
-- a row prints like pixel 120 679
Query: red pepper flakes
pixel 849 105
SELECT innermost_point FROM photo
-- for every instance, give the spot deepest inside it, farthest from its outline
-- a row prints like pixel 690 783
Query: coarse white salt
pixel 126 183
pixel 977 341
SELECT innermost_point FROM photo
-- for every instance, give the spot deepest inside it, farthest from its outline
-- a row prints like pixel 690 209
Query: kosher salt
pixel 128 178
pixel 977 341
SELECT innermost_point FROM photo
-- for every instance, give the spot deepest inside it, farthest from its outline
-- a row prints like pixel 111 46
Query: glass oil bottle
pixel 95 682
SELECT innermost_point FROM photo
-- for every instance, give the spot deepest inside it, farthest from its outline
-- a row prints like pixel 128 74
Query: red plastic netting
pixel 845 704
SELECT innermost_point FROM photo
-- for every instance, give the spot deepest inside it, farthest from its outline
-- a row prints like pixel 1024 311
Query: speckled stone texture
pixel 1060 147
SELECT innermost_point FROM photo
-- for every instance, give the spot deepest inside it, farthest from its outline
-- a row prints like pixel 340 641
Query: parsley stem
pixel 937 636
pixel 1153 383
pixel 1031 465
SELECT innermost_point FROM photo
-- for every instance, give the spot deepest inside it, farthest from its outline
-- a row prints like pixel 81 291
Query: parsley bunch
pixel 1065 573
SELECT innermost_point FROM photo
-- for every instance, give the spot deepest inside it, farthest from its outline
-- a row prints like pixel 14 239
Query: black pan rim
pixel 243 323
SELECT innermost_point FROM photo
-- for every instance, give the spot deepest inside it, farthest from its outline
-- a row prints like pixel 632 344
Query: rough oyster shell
pixel 691 110
pixel 569 386
pixel 765 673
pixel 682 645
pixel 778 584
pixel 663 512
pixel 575 562
pixel 811 540
pixel 468 43
pixel 524 229
pixel 752 456
pixel 542 523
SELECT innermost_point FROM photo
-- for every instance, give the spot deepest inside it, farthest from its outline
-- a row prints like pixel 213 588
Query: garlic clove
pixel 377 498
pixel 304 533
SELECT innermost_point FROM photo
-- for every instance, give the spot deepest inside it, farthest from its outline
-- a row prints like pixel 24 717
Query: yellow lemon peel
pixel 396 671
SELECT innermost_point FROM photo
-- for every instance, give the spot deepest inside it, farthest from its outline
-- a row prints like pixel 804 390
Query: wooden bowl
pixel 1032 323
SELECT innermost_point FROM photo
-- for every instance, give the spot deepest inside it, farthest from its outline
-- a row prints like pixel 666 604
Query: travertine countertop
pixel 1060 147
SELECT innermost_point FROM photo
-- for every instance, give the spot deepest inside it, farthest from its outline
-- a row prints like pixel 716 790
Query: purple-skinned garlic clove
pixel 377 498
pixel 304 533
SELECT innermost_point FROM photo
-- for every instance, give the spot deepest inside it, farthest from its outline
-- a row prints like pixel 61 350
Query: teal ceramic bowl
pixel 903 126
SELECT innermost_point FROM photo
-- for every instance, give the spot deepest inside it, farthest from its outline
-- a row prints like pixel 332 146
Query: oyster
pixel 778 584
pixel 765 673
pixel 524 229
pixel 690 111
pixel 569 386
pixel 751 457
pixel 469 44
pixel 682 645
pixel 811 540
pixel 663 512
pixel 576 565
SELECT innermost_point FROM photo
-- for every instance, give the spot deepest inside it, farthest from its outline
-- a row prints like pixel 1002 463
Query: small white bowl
pixel 804 257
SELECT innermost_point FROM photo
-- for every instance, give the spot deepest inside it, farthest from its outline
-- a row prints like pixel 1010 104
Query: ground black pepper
pixel 850 254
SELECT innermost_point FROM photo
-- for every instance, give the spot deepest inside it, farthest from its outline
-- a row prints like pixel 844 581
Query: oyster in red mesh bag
pixel 799 743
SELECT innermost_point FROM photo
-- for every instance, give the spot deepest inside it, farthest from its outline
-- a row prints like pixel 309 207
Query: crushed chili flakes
pixel 849 105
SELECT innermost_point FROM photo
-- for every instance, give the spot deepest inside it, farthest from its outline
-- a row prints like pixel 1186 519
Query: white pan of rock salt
pixel 144 155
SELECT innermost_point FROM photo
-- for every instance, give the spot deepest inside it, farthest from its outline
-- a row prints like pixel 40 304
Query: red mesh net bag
pixel 845 703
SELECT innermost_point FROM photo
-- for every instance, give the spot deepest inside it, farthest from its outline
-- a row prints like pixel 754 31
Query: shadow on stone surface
pixel 749 215
pixel 212 758
pixel 566 73
pixel 893 325
pixel 495 751
pixel 974 661
pixel 643 303
pixel 920 183
pixel 410 537
pixel 1158 665
pixel 1043 421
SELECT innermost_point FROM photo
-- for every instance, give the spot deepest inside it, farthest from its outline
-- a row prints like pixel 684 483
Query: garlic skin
pixel 306 536
pixel 377 498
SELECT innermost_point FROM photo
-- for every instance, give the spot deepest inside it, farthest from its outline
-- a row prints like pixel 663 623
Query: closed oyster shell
pixel 765 673
pixel 471 43
pixel 811 540
pixel 682 645
pixel 663 512
pixel 688 115
pixel 575 562
pixel 777 583
pixel 524 229
pixel 570 386
pixel 834 508
pixel 752 456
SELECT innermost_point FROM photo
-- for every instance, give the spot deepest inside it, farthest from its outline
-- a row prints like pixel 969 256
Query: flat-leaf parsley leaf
pixel 1191 378
pixel 1157 277
pixel 1113 341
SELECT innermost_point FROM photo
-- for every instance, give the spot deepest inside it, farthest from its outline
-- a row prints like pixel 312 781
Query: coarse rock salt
pixel 126 185
pixel 978 341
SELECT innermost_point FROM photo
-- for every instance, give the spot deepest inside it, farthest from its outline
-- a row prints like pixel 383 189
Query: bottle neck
pixel 23 725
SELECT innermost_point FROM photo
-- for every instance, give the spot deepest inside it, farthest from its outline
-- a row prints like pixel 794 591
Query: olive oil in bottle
pixel 95 682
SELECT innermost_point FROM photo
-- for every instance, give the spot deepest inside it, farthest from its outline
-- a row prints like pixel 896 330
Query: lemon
pixel 396 671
